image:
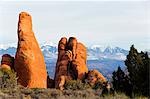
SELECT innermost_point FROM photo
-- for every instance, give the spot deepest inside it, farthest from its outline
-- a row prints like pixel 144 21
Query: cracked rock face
pixel 29 60
pixel 71 62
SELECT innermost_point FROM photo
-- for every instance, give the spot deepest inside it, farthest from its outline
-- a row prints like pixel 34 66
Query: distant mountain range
pixel 105 59
pixel 95 52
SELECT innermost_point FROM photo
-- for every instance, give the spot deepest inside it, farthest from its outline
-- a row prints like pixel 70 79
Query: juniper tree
pixel 138 67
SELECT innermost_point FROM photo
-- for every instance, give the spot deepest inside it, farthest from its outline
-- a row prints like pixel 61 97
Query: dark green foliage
pixel 76 85
pixel 8 79
pixel 121 82
pixel 118 80
pixel 138 67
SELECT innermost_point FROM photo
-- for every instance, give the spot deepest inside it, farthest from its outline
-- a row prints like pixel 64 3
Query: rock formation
pixel 95 76
pixel 64 58
pixel 29 61
pixel 7 61
pixel 71 62
pixel 79 63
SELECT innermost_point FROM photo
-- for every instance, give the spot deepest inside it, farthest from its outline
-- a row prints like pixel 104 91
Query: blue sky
pixel 114 23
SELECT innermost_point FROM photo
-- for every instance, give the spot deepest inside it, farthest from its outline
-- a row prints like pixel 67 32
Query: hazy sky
pixel 115 23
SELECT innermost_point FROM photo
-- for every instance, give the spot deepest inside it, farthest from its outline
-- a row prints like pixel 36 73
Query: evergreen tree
pixel 138 68
pixel 121 82
pixel 118 78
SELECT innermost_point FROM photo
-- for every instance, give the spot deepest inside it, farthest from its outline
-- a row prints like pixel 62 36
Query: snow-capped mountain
pixel 99 52
pixel 95 52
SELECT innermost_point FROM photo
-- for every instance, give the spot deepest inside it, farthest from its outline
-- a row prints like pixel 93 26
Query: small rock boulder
pixel 95 76
pixel 7 61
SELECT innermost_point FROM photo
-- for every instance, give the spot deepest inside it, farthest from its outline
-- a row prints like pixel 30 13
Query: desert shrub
pixel 116 96
pixel 8 79
pixel 26 91
pixel 76 85
pixel 97 85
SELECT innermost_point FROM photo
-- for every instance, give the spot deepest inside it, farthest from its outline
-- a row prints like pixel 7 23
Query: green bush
pixel 76 85
pixel 8 79
pixel 98 85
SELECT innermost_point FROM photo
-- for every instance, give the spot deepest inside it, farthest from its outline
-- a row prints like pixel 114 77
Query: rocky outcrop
pixel 7 61
pixel 95 76
pixel 29 61
pixel 71 63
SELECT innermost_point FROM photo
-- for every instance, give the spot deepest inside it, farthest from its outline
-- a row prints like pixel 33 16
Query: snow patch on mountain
pixel 98 47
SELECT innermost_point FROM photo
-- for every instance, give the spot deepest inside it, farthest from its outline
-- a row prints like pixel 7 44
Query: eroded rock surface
pixel 29 60
pixel 71 63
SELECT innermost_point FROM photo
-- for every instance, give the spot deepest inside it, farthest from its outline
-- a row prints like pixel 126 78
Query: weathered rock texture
pixel 29 61
pixel 95 76
pixel 71 63
pixel 7 61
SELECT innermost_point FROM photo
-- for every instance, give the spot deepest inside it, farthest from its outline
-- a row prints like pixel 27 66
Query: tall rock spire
pixel 29 61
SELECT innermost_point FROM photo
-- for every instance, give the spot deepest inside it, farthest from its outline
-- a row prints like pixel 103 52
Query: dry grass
pixel 74 90
pixel 57 94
